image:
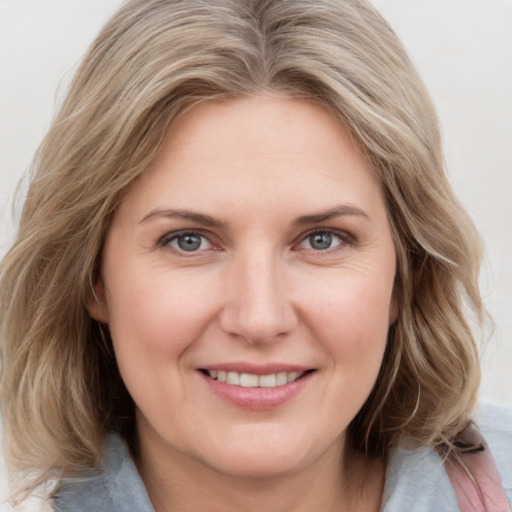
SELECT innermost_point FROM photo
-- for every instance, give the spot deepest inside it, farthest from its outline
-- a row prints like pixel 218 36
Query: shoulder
pixel 38 501
pixel 495 423
pixel 416 480
pixel 118 487
pixel 35 503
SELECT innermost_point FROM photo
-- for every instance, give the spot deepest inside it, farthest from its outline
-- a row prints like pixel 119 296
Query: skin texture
pixel 255 291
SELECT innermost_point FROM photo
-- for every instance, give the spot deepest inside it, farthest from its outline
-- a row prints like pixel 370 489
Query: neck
pixel 332 484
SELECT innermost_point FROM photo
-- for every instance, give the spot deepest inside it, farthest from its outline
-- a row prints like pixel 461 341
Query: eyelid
pixel 166 239
pixel 345 237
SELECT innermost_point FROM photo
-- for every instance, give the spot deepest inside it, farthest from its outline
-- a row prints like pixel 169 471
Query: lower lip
pixel 257 399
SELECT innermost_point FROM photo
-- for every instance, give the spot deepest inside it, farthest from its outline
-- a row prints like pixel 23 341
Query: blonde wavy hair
pixel 61 391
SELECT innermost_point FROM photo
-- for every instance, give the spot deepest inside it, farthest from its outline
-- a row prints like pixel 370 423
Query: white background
pixel 463 49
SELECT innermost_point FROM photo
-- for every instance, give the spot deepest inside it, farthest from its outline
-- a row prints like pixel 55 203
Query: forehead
pixel 254 127
pixel 254 150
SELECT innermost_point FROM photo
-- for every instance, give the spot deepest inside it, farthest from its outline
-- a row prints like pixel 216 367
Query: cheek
pixel 352 321
pixel 154 322
pixel 156 313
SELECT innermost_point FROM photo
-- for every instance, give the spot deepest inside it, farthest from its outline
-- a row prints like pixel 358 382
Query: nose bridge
pixel 258 306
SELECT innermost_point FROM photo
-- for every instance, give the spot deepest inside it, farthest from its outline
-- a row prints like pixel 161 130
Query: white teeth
pixel 281 378
pixel 267 381
pixel 291 376
pixel 233 378
pixel 249 380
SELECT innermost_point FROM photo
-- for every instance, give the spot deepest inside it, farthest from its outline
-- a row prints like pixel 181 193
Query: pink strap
pixel 479 486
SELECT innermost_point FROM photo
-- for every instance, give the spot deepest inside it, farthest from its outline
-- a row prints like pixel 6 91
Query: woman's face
pixel 247 283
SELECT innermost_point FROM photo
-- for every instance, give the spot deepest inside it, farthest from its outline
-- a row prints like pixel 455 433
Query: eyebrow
pixel 209 221
pixel 171 213
pixel 338 211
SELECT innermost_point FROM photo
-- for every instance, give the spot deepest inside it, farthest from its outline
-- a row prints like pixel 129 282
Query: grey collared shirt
pixel 415 477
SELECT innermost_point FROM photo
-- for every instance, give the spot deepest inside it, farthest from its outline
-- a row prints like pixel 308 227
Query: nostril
pixel 256 324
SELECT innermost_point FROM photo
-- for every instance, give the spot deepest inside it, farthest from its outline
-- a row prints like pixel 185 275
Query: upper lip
pixel 256 369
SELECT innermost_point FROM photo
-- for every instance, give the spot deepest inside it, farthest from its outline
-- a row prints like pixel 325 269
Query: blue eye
pixel 321 241
pixel 189 242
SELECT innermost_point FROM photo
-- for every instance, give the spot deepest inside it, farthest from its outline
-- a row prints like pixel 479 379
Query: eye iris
pixel 189 242
pixel 320 241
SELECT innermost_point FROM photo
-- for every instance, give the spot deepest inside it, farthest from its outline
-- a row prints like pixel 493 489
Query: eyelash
pixel 166 240
pixel 344 237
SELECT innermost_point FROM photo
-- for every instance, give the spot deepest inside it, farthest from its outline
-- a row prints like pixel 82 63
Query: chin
pixel 266 453
pixel 258 465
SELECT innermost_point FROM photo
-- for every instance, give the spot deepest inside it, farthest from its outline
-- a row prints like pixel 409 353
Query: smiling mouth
pixel 249 380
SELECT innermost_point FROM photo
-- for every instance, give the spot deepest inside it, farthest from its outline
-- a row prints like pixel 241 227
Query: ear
pixel 97 305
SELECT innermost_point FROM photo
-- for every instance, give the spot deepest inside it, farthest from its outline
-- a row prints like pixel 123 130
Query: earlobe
pixel 97 305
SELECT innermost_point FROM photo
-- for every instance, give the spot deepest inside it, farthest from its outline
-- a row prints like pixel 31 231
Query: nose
pixel 258 306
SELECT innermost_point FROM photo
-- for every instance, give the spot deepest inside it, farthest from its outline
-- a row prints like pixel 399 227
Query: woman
pixel 241 277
